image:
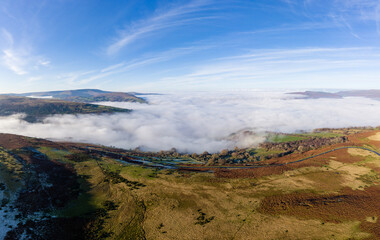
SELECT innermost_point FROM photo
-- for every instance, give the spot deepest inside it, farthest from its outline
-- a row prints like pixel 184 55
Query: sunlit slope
pixel 95 192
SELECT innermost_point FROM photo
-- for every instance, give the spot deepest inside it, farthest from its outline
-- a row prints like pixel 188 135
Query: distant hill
pixel 36 109
pixel 86 96
pixel 312 94
pixel 373 94
pixel 361 93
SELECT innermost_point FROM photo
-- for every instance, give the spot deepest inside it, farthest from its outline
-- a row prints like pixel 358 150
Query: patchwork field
pixel 81 191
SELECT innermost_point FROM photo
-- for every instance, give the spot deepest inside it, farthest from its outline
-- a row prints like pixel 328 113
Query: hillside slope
pixel 81 191
pixel 37 109
pixel 87 96
pixel 373 94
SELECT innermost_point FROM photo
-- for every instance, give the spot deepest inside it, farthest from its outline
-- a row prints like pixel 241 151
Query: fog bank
pixel 197 122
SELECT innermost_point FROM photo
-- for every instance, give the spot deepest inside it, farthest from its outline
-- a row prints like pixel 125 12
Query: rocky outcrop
pixel 303 145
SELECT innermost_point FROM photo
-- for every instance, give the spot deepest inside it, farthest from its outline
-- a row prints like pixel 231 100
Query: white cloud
pixel 162 19
pixel 81 78
pixel 35 79
pixel 377 17
pixel 347 15
pixel 19 59
pixel 73 77
pixel 196 122
pixel 282 65
pixel 7 36
pixel 109 68
pixel 14 61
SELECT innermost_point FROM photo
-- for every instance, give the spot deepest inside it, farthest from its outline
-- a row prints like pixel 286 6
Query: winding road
pixel 148 163
pixel 283 164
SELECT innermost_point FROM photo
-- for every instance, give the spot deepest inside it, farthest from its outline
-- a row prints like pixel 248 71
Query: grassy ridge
pixel 274 203
pixel 37 109
pixel 87 96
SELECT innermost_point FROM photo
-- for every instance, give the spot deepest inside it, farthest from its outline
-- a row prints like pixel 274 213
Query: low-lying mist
pixel 197 122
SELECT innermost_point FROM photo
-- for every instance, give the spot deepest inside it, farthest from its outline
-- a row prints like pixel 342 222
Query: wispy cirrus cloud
pixel 291 28
pixel 72 78
pixel 85 77
pixel 162 19
pixel 343 14
pixel 377 18
pixel 13 61
pixel 350 12
pixel 19 59
pixel 281 66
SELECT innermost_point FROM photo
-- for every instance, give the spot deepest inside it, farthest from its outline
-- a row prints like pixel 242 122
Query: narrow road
pixel 147 163
pixel 283 164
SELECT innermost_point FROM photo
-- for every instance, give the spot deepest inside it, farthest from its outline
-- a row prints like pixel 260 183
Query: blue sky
pixel 166 45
